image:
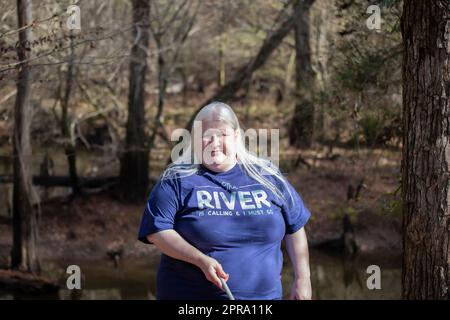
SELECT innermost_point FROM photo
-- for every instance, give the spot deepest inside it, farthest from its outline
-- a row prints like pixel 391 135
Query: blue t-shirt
pixel 230 217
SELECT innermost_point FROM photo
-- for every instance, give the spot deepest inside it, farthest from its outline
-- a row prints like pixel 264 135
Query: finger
pixel 221 273
pixel 215 279
pixel 225 276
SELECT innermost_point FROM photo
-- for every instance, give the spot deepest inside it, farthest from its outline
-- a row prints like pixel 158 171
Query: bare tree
pixel 23 255
pixel 170 25
pixel 134 161
pixel 69 146
pixel 426 149
pixel 302 124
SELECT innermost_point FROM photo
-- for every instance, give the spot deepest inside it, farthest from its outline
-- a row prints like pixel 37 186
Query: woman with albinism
pixel 219 215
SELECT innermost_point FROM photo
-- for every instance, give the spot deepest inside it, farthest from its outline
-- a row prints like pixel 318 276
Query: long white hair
pixel 254 166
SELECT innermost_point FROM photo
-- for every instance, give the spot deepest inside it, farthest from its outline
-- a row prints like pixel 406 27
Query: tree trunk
pixel 162 87
pixel 134 161
pixel 221 64
pixel 23 254
pixel 302 124
pixel 69 147
pixel 426 149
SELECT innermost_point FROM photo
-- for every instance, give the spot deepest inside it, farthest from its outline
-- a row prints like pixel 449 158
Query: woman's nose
pixel 215 139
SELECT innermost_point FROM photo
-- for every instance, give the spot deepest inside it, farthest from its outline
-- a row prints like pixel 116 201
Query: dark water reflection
pixel 331 277
pixel 337 278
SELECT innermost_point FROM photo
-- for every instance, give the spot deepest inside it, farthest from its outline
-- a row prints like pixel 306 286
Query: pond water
pixel 331 277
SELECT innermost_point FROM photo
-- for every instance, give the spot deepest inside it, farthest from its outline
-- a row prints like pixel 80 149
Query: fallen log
pixel 65 181
pixel 17 281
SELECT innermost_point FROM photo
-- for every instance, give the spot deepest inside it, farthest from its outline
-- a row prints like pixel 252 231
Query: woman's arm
pixel 297 248
pixel 172 244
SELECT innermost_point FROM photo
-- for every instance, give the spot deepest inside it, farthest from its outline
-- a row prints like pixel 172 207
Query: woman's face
pixel 218 146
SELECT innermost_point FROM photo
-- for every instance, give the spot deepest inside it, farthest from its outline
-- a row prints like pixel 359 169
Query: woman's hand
pixel 213 270
pixel 301 289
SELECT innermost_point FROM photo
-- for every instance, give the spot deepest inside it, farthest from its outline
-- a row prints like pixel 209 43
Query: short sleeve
pixel 295 213
pixel 160 210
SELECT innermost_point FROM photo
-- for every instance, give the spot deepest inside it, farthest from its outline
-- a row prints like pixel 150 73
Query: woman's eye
pixel 219 135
